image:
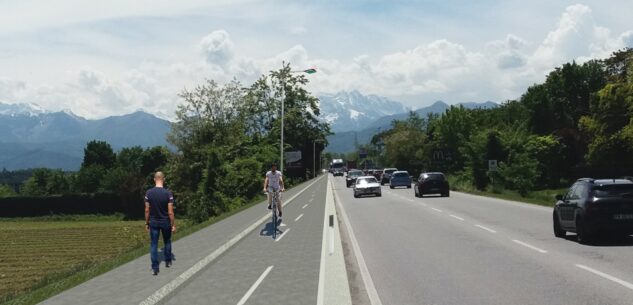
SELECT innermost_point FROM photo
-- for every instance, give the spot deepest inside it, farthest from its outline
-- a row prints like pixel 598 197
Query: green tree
pixel 98 153
pixel 7 191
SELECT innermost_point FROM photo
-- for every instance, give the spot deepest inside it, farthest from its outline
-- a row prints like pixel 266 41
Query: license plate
pixel 623 217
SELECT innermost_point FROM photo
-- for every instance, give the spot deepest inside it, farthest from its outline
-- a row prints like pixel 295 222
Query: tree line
pixel 225 138
pixel 578 123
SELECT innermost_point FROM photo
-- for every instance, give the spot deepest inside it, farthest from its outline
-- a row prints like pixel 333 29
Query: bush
pixel 519 173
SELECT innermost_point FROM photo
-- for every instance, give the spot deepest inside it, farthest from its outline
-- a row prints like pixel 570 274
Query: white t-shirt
pixel 273 179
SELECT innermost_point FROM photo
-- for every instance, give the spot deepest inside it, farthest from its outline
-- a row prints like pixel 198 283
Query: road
pixel 476 250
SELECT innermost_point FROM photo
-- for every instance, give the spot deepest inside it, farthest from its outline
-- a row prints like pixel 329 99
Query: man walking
pixel 159 218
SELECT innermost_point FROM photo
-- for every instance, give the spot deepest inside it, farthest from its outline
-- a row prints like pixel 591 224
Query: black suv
pixel 592 206
pixel 351 177
pixel 431 183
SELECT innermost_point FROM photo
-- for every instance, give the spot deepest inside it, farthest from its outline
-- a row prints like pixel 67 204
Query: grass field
pixel 36 251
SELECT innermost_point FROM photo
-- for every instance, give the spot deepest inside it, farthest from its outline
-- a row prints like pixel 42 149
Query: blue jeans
pixel 154 230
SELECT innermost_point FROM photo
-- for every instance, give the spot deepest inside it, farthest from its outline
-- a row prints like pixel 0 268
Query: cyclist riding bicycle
pixel 274 182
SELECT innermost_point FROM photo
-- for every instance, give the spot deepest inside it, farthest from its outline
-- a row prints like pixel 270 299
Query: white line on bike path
pixel 487 229
pixel 529 246
pixel 255 285
pixel 161 293
pixel 304 206
pixel 282 235
pixel 606 276
pixel 298 217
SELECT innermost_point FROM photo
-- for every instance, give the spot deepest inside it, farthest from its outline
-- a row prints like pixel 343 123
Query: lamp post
pixel 283 98
pixel 314 156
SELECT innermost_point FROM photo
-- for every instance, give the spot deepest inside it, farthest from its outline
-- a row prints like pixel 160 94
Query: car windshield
pixel 366 180
pixel 437 177
pixel 355 173
pixel 614 190
pixel 401 175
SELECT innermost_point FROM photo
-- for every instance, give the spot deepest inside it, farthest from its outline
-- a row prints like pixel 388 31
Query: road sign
pixel 292 156
pixel 492 165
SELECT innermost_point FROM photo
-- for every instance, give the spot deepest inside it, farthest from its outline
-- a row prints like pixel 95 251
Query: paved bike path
pixel 133 283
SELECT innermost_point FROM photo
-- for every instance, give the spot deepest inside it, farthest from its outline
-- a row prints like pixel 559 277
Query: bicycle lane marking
pixel 168 288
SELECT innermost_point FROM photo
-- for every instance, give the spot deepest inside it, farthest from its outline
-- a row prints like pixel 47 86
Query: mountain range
pixel 33 137
pixel 346 141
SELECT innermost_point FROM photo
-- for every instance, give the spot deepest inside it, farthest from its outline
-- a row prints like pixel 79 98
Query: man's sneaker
pixel 270 207
pixel 167 264
pixel 279 214
pixel 155 272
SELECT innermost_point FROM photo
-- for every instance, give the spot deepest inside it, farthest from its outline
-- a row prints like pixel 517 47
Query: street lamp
pixel 314 156
pixel 283 91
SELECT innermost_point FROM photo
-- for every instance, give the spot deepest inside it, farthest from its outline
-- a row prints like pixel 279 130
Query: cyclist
pixel 274 182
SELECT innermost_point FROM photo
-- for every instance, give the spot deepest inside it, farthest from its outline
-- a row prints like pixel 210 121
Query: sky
pixel 102 58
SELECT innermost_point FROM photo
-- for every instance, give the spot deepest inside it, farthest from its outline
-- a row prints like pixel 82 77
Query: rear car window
pixel 438 177
pixel 355 173
pixel 614 190
pixel 401 175
pixel 366 180
pixel 389 171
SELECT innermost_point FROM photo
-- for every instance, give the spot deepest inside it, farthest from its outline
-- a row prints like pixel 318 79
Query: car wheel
pixel 582 236
pixel 391 187
pixel 558 231
pixel 447 194
pixel 408 186
pixel 415 193
pixel 379 195
pixel 355 195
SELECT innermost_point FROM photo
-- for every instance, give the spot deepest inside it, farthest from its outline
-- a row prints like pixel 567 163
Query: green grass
pixel 539 197
pixel 44 256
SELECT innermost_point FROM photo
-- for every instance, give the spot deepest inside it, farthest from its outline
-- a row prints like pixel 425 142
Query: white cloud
pixel 419 74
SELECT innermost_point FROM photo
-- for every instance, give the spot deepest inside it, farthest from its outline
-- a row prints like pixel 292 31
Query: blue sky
pixel 113 57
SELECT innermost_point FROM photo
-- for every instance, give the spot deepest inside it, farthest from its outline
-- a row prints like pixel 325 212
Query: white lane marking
pixel 606 276
pixel 304 206
pixel 457 217
pixel 529 246
pixel 255 285
pixel 487 229
pixel 311 199
pixel 434 209
pixel 298 217
pixel 424 204
pixel 161 293
pixel 282 235
pixel 372 293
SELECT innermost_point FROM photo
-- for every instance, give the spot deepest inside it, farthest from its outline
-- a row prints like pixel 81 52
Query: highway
pixel 398 250
pixel 475 250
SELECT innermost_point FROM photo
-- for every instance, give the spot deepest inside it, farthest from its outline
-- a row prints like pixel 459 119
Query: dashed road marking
pixel 438 210
pixel 255 285
pixel 304 206
pixel 529 246
pixel 457 217
pixel 606 276
pixel 487 229
pixel 282 235
pixel 298 217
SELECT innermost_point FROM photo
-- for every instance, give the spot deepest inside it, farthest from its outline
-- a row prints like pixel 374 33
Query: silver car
pixel 367 185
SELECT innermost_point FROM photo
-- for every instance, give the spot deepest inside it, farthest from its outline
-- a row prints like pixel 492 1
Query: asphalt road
pixel 476 250
pixel 251 269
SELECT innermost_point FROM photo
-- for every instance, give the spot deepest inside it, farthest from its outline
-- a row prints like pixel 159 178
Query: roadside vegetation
pixel 224 139
pixel 578 123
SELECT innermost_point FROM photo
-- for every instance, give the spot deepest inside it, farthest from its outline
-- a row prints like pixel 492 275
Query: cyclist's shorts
pixel 273 189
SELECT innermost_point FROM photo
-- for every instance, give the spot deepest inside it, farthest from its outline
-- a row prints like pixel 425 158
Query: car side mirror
pixel 559 197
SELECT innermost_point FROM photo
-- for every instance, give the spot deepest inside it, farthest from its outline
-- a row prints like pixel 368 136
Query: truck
pixel 337 167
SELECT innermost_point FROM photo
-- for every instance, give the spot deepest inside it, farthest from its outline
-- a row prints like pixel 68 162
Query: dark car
pixel 352 174
pixel 592 206
pixel 400 178
pixel 386 175
pixel 431 183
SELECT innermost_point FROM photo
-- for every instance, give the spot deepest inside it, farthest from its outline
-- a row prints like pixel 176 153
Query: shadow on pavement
pixel 268 229
pixel 606 240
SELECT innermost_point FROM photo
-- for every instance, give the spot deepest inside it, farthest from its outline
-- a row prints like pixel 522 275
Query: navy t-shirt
pixel 159 198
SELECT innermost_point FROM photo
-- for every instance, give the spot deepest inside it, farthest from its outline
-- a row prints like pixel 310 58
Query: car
pixel 367 185
pixel 338 171
pixel 386 175
pixel 593 206
pixel 431 183
pixel 351 176
pixel 400 178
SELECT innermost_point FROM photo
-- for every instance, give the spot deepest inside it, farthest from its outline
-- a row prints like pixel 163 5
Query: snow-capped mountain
pixel 346 111
pixel 33 137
